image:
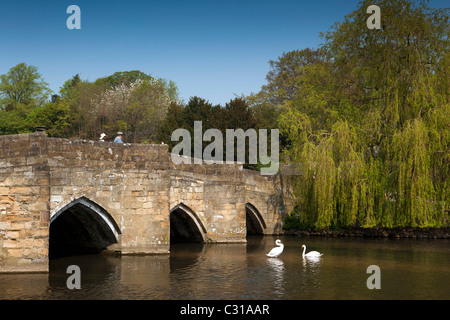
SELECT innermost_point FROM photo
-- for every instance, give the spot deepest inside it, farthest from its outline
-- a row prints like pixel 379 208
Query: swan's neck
pixel 304 249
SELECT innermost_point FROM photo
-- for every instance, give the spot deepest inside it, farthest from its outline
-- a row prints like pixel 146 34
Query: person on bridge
pixel 118 139
pixel 102 137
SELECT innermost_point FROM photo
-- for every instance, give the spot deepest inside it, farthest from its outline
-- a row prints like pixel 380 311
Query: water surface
pixel 410 269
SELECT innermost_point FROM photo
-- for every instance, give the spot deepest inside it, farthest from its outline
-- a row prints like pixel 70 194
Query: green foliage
pixel 368 120
pixel 15 121
pixel 129 101
pixel 234 115
pixel 172 121
pixel 67 89
pixel 53 116
pixel 22 85
pixel 124 77
pixel 293 222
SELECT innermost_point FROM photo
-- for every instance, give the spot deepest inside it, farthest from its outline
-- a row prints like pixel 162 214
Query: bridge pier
pixel 60 196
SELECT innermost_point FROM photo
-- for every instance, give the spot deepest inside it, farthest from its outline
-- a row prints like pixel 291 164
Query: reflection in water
pixel 277 270
pixel 311 274
pixel 410 269
pixel 311 261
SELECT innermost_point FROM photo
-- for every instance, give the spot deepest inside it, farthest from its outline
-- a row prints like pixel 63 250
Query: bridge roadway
pixel 61 197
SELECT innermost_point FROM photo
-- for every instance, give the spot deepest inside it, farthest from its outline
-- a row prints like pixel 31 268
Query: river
pixel 408 269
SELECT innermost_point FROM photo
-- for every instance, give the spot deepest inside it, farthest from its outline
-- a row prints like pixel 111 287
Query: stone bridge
pixel 61 197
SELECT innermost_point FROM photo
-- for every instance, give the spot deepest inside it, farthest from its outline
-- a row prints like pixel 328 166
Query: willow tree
pixel 370 124
pixel 392 69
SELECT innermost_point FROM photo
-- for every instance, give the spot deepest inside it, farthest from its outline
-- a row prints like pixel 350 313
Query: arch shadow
pixel 81 227
pixel 254 220
pixel 185 225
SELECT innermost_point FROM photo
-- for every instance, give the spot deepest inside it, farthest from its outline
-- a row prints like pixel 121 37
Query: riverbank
pixel 396 233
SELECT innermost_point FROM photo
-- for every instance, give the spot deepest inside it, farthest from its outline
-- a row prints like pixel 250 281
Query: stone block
pixel 5 225
pixel 17 225
pixel 15 253
pixel 12 234
pixel 10 243
pixel 4 191
pixel 20 190
pixel 39 206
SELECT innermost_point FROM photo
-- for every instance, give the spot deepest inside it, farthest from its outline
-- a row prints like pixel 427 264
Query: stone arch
pixel 185 225
pixel 254 220
pixel 80 227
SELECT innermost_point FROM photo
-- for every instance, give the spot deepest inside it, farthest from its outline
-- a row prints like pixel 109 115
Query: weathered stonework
pixel 24 203
pixel 132 190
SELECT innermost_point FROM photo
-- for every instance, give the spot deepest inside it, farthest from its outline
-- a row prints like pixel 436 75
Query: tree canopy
pixel 22 85
pixel 129 101
pixel 367 118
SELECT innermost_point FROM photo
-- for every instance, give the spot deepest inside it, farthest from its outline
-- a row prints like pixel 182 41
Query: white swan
pixel 311 254
pixel 275 252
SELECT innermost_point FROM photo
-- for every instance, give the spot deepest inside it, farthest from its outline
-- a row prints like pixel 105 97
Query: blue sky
pixel 210 48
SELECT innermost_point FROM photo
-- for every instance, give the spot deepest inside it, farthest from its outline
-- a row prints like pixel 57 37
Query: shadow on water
pixel 255 242
pixel 95 268
pixel 184 255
